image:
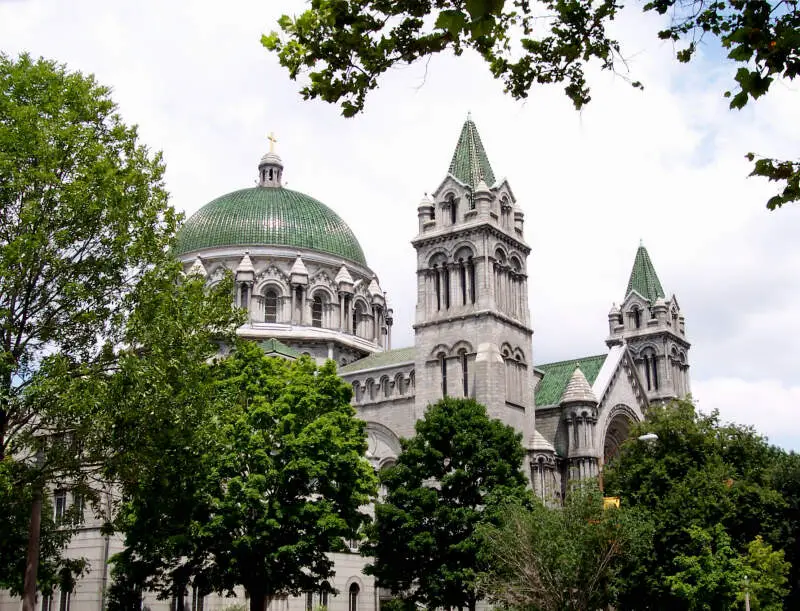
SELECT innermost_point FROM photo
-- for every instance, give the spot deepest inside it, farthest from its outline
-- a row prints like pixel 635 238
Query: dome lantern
pixel 270 168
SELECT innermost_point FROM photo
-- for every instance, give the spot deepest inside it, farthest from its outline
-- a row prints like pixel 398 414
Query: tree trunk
pixel 32 561
pixel 258 600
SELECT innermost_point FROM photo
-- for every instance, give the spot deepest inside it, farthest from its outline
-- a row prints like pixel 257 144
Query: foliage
pixel 270 477
pixel 706 486
pixel 344 46
pixel 766 571
pixel 561 558
pixel 452 476
pixel 83 215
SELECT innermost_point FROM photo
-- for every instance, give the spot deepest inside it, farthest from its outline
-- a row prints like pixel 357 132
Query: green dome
pixel 269 216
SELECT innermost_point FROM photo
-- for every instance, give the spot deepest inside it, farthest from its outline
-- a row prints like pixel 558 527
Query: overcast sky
pixel 665 165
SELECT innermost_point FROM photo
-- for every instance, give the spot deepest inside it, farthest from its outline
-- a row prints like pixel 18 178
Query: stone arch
pixel 385 389
pixel 438 257
pixel 461 345
pixel 463 250
pixel 273 283
pixel 323 290
pixel 437 350
pixel 617 429
pixel 515 262
pixel 500 255
pixel 399 384
pixel 382 443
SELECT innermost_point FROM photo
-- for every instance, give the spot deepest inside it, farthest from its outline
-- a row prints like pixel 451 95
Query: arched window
pixel 271 306
pixel 636 314
pixel 323 593
pixel 437 285
pixel 357 391
pixel 464 371
pixel 399 385
pixel 443 369
pixel 386 385
pixel 244 301
pixel 356 312
pixel 446 273
pixel 353 597
pixel 316 311
pixel 462 273
pixel 471 274
pixel 453 211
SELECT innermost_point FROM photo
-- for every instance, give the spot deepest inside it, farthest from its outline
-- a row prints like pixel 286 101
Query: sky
pixel 665 165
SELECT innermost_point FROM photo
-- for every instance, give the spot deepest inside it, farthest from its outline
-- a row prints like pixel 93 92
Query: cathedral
pixel 304 281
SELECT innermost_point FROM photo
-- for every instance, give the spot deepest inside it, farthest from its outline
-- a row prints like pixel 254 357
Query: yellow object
pixel 610 501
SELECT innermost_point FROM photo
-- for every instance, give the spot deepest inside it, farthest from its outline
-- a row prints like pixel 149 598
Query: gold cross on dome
pixel 272 140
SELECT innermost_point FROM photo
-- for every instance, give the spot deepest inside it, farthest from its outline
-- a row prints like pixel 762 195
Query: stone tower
pixel 473 330
pixel 654 330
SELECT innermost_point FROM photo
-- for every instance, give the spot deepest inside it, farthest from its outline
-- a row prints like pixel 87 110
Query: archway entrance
pixel 617 431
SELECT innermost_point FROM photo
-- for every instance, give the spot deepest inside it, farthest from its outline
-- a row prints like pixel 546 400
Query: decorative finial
pixel 641 243
pixel 469 115
pixel 272 140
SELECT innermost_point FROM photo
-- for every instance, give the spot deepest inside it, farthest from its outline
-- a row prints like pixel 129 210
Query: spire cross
pixel 272 140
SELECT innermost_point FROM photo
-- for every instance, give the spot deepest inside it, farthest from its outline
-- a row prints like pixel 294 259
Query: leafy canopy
pixel 270 478
pixel 709 490
pixel 344 46
pixel 83 215
pixel 451 477
pixel 561 558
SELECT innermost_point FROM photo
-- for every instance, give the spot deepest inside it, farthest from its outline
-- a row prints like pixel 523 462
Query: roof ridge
pixel 577 360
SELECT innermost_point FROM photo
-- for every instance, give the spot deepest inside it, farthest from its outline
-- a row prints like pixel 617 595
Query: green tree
pixel 277 478
pixel 83 215
pixel 451 477
pixel 561 558
pixel 344 46
pixel 700 476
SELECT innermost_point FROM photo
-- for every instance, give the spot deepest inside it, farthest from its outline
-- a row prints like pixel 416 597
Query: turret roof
pixel 578 389
pixel 470 164
pixel 644 279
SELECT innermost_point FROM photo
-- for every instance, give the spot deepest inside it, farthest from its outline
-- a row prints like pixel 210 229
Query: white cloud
pixel 768 405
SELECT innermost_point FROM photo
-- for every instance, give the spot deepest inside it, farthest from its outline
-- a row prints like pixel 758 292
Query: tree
pixel 83 215
pixel 452 476
pixel 705 486
pixel 561 558
pixel 276 479
pixel 346 45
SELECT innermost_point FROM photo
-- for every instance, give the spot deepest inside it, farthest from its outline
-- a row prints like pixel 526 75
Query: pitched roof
pixel 272 347
pixel 578 389
pixel 470 163
pixel 644 279
pixel 557 375
pixel 380 359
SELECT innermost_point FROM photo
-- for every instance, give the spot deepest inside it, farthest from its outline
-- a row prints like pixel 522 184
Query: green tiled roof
pixel 557 375
pixel 273 346
pixel 470 162
pixel 643 277
pixel 381 359
pixel 269 216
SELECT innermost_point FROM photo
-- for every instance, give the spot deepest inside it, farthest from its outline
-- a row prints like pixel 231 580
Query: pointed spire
pixel 578 389
pixel 197 268
pixel 245 265
pixel 644 279
pixel 470 164
pixel 299 268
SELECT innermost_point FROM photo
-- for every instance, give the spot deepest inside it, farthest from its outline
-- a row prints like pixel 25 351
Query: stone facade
pixel 308 291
